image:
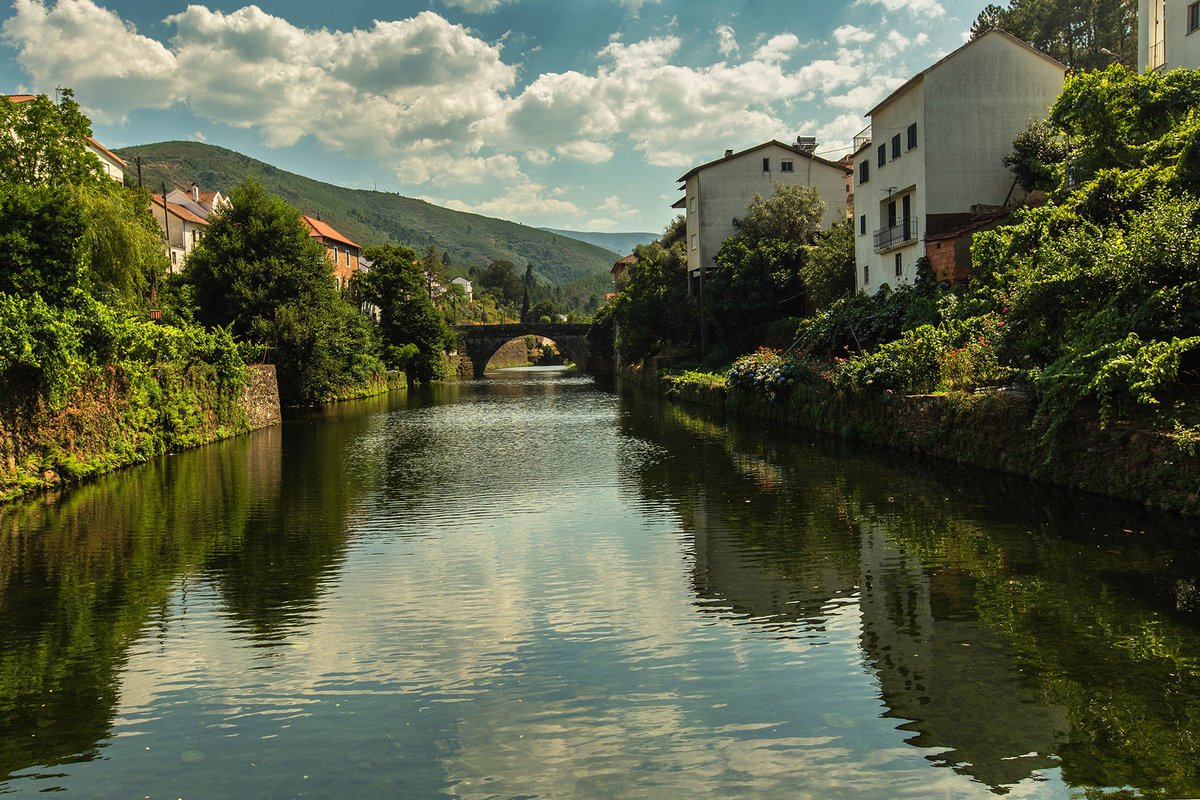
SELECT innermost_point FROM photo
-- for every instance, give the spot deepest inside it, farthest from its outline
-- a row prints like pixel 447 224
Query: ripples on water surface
pixel 529 586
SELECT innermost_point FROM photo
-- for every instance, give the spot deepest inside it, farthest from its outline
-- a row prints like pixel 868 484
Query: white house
pixel 112 164
pixel 937 147
pixel 718 192
pixel 468 290
pixel 199 203
pixel 1167 34
pixel 184 229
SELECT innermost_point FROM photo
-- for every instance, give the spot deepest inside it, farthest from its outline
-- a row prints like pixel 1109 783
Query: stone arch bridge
pixel 591 351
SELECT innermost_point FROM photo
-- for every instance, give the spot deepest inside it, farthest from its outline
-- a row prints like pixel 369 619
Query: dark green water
pixel 533 587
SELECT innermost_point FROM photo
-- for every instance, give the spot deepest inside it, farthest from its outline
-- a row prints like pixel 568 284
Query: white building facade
pixel 937 150
pixel 718 192
pixel 1168 35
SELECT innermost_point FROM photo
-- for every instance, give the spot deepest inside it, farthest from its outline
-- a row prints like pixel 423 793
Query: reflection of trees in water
pixel 80 577
pixel 1014 628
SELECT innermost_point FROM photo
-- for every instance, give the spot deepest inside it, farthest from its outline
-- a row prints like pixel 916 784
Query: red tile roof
pixel 107 152
pixel 323 230
pixel 180 211
pixel 22 98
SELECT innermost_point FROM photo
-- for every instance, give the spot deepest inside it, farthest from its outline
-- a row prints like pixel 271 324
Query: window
pixel 866 274
pixel 692 204
pixel 912 136
pixel 864 172
pixel 766 165
pixel 862 225
pixel 899 265
pixel 335 254
pixel 891 209
pixel 895 146
pixel 1193 16
pixel 785 166
pixel 695 241
pixel 882 155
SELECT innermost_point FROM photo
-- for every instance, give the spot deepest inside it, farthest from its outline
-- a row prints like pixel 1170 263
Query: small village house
pixel 184 229
pixel 468 290
pixel 343 253
pixel 620 268
pixel 932 161
pixel 718 192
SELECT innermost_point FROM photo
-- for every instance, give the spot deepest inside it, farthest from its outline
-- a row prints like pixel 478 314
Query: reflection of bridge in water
pixel 591 350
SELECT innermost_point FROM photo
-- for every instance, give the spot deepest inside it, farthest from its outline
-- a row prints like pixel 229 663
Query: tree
pixel 1037 154
pixel 501 280
pixel 792 213
pixel 413 331
pixel 1076 32
pixel 258 272
pixel 43 143
pixel 41 242
pixel 653 311
pixel 828 272
pixel 431 265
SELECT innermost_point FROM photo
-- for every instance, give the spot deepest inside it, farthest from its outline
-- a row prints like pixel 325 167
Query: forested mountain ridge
pixel 373 217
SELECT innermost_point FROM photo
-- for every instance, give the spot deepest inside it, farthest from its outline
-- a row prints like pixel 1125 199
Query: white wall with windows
pixel 1168 34
pixel 718 192
pixel 938 147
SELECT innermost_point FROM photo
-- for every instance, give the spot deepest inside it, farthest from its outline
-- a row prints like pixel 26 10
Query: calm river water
pixel 531 586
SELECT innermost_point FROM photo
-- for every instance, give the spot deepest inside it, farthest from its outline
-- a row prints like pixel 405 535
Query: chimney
pixel 806 144
pixel 728 153
pixel 195 193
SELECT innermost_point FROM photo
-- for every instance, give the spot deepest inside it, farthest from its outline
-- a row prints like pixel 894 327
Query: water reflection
pixel 530 587
pixel 1011 630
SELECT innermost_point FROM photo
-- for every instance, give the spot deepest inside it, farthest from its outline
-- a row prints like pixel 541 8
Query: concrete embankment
pixel 996 430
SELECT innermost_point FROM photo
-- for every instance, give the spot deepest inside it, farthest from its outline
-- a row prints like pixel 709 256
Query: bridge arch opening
pixel 529 350
pixel 481 342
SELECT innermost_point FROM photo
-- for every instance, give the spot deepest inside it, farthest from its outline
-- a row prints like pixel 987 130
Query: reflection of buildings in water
pixel 733 575
pixel 956 682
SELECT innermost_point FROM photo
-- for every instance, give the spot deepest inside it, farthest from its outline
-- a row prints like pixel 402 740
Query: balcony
pixel 863 137
pixel 902 233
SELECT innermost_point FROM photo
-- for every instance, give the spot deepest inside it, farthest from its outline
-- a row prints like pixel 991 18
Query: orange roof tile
pixel 21 98
pixel 107 152
pixel 323 230
pixel 180 211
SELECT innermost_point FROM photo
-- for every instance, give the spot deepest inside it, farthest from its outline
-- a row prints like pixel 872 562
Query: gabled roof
pixel 920 76
pixel 107 152
pixel 323 230
pixel 22 98
pixel 179 211
pixel 793 148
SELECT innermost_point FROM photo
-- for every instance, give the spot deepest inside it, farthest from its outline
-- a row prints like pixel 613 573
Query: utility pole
pixel 138 159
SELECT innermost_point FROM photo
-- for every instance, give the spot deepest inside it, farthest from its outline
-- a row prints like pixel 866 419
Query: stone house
pixel 343 253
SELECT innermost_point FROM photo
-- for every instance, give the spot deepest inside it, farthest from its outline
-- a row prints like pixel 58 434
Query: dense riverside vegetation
pixel 1088 302
pixel 87 383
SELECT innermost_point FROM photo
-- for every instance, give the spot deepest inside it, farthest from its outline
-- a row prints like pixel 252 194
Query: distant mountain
pixel 370 217
pixel 620 243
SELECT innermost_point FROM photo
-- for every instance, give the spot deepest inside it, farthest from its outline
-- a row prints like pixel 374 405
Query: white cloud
pixel 474 6
pixel 849 34
pixel 727 41
pixel 615 206
pixel 529 202
pixel 918 8
pixel 778 48
pixel 449 170
pixel 588 152
pixel 78 44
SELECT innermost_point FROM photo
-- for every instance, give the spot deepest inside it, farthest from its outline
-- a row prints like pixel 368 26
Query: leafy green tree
pixel 828 272
pixel 1083 34
pixel 259 273
pixel 653 311
pixel 1037 154
pixel 501 280
pixel 41 242
pixel 46 143
pixel 414 333
pixel 431 265
pixel 758 280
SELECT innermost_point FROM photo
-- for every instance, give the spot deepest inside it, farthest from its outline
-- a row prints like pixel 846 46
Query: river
pixel 533 586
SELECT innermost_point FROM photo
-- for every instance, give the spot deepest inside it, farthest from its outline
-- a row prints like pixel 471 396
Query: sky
pixel 575 114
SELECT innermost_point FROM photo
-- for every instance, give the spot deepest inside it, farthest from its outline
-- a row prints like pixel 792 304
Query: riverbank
pixel 120 418
pixel 1134 460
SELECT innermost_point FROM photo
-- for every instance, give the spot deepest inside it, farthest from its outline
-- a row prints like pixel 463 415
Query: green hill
pixel 370 217
pixel 618 242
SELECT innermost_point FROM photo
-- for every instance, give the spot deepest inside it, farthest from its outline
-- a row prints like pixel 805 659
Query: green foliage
pixel 43 143
pixel 792 213
pixel 124 244
pixel 911 363
pixel 501 280
pixel 259 273
pixel 653 311
pixel 414 333
pixel 828 272
pixel 1076 32
pixel 863 322
pixel 42 246
pixel 755 283
pixel 1037 154
pixel 39 349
